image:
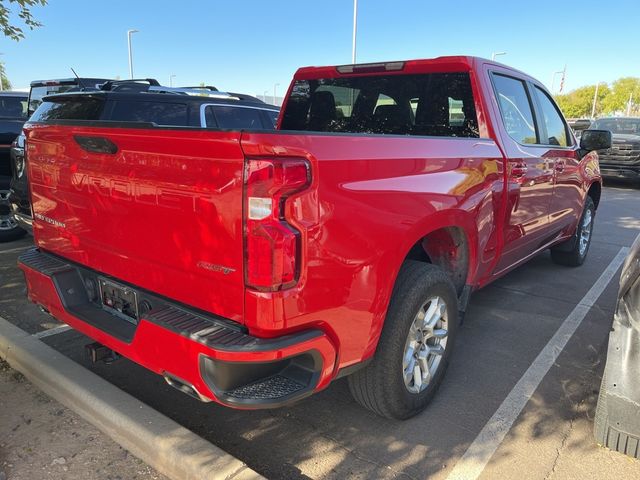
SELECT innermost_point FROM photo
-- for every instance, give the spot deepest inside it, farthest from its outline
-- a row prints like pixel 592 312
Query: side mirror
pixel 595 140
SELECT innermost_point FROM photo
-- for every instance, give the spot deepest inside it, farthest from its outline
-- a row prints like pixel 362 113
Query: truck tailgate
pixel 159 209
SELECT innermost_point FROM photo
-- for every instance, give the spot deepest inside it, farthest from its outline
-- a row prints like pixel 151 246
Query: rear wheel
pixel 574 252
pixel 414 347
pixel 9 229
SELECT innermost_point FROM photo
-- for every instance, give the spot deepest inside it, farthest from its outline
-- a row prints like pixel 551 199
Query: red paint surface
pixel 170 202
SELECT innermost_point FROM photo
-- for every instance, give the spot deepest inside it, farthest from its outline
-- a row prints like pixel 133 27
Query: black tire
pixel 380 385
pixel 7 235
pixel 569 253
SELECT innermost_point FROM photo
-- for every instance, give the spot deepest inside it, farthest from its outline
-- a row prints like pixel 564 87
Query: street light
pixel 355 29
pixel 495 54
pixel 264 95
pixel 171 77
pixel 595 99
pixel 276 85
pixel 129 32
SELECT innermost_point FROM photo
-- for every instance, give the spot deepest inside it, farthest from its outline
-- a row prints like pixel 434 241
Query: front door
pixel 530 174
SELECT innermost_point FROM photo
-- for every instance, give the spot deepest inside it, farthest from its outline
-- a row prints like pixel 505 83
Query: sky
pixel 250 46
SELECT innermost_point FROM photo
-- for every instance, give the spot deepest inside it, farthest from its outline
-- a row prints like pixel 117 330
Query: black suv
pixel 143 101
pixel 13 113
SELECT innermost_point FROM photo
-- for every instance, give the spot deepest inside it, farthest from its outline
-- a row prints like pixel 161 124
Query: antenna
pixel 79 80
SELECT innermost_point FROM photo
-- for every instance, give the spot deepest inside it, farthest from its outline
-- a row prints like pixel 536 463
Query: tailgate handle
pixel 96 144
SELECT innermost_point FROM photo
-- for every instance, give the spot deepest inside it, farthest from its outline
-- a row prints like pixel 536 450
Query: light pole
pixel 495 54
pixel 595 99
pixel 276 85
pixel 264 95
pixel 553 79
pixel 171 77
pixel 129 32
pixel 355 29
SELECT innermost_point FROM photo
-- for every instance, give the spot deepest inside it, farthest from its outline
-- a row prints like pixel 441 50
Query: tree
pixel 12 31
pixel 621 90
pixel 6 84
pixel 578 103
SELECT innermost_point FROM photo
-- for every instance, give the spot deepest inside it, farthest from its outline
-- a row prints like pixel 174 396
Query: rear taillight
pixel 272 245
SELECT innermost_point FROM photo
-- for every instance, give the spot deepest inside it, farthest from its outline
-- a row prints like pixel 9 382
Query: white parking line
pixel 51 331
pixel 18 249
pixel 475 459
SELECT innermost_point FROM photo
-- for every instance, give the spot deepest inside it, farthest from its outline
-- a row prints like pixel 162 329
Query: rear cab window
pixel 432 104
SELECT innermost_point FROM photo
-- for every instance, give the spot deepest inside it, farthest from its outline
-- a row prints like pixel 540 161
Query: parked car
pixel 252 267
pixel 617 421
pixel 13 113
pixel 146 100
pixel 622 160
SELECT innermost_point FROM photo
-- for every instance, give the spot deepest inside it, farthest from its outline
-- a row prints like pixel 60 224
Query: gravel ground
pixel 41 439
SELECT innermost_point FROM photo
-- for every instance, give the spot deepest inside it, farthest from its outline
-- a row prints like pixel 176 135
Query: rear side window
pixel 160 113
pixel 233 118
pixel 555 126
pixel 69 109
pixel 436 104
pixel 515 108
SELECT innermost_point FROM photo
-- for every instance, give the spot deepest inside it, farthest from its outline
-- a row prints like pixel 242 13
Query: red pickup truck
pixel 252 268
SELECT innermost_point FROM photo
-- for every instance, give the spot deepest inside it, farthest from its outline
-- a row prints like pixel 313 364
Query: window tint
pixel 437 104
pixel 13 107
pixel 515 108
pixel 69 109
pixel 556 128
pixel 234 118
pixel 273 117
pixel 160 113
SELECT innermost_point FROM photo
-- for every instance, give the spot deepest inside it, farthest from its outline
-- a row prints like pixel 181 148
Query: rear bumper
pixel 207 357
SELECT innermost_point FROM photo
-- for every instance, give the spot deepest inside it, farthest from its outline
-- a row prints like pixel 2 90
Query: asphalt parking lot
pixel 507 325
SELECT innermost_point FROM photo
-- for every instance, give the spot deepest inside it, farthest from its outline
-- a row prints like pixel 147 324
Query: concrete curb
pixel 160 442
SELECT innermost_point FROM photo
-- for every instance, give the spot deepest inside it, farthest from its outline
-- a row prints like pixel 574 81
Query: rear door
pixel 529 173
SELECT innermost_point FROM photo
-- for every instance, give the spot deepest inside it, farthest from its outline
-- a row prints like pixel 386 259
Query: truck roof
pixel 425 65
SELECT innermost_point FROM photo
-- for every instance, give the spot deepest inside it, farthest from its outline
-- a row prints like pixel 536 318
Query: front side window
pixel 556 128
pixel 515 108
pixel 436 104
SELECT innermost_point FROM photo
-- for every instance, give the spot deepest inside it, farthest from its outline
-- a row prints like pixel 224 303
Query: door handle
pixel 518 170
